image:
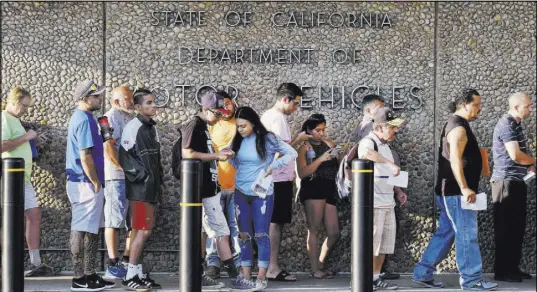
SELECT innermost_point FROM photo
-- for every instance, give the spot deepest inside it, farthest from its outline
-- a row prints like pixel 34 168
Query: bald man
pixel 512 161
pixel 116 204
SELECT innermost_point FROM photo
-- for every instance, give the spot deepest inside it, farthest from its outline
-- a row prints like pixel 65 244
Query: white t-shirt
pixel 383 192
pixel 276 122
pixel 117 120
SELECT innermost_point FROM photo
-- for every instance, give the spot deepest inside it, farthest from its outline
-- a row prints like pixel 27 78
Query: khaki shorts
pixel 214 221
pixel 384 229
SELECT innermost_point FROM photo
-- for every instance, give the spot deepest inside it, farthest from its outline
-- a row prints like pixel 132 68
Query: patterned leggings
pixel 84 252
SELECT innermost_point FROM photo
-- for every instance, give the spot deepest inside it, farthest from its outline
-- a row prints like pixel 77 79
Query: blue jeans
pixel 253 216
pixel 459 225
pixel 228 206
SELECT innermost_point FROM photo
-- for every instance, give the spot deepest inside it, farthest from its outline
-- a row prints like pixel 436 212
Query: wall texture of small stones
pixel 438 47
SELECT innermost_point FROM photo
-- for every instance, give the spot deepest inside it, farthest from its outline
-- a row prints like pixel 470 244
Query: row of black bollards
pixel 190 270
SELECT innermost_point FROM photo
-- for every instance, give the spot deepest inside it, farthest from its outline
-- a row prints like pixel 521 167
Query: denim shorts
pixel 115 204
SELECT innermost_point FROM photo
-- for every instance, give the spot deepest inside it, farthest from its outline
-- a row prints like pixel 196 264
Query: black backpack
pixel 177 155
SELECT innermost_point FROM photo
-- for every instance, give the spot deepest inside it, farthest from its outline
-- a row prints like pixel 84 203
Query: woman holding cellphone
pixel 255 149
pixel 317 166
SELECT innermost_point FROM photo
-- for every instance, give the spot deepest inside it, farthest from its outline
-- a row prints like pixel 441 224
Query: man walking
pixel 139 157
pixel 84 165
pixel 459 170
pixel 16 143
pixel 221 134
pixel 116 203
pixel 512 161
pixel 275 120
pixel 375 147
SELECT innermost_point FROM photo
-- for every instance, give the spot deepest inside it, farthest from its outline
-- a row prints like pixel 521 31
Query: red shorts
pixel 142 215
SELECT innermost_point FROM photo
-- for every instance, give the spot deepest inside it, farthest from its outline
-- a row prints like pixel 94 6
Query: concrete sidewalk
pixel 170 282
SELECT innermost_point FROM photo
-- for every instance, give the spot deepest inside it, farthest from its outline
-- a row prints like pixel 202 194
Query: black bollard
pixel 190 261
pixel 362 225
pixel 13 225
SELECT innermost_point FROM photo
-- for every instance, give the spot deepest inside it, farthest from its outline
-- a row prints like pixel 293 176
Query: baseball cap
pixel 386 115
pixel 214 101
pixel 87 88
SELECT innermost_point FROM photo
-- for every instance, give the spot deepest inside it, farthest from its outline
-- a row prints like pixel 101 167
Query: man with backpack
pixel 221 134
pixel 375 147
pixel 370 104
pixel 197 144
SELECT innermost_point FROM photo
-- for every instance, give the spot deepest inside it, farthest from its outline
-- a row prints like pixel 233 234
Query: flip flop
pixel 282 277
pixel 329 272
pixel 324 276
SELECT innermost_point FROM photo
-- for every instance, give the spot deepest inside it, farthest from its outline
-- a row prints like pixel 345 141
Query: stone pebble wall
pixel 49 47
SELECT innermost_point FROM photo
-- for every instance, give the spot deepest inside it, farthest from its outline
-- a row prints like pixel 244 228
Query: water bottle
pixel 310 157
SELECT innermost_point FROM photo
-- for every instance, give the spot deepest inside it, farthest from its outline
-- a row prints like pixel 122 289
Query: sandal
pixel 324 276
pixel 282 277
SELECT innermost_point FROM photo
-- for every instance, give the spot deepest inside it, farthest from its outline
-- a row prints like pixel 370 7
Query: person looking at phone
pixel 197 144
pixel 317 166
pixel 255 149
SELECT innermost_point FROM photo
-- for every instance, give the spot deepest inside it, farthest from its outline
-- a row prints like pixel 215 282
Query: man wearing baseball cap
pixel 84 165
pixel 375 147
pixel 197 144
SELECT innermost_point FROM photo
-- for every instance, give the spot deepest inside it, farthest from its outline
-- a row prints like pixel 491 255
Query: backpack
pixel 344 174
pixel 177 155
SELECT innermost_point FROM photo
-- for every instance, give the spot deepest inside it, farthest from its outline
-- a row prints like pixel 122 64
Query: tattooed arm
pixel 457 140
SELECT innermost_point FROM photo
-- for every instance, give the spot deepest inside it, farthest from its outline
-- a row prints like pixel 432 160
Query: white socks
pixel 131 272
pixel 376 277
pixel 140 271
pixel 35 257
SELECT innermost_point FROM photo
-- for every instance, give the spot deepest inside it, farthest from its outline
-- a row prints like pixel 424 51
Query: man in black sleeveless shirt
pixel 459 169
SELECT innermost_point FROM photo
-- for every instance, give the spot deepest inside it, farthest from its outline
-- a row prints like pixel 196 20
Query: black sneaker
pixel 380 284
pixel 207 282
pixel 134 284
pixel 213 272
pixel 429 284
pixel 150 283
pixel 524 276
pixel 98 279
pixel 40 271
pixel 390 276
pixel 82 284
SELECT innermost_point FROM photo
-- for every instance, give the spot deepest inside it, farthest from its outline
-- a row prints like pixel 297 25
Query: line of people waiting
pixel 121 177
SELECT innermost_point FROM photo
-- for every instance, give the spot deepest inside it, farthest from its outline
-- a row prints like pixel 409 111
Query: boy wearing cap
pixel 139 157
pixel 375 147
pixel 84 165
pixel 197 144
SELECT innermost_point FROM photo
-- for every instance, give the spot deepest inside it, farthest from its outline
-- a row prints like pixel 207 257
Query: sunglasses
pixel 216 113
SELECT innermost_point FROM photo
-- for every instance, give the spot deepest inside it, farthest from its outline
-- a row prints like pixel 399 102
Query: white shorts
pixel 30 200
pixel 86 207
pixel 214 221
pixel 384 229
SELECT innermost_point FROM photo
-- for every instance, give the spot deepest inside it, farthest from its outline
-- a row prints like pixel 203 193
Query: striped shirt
pixel 507 130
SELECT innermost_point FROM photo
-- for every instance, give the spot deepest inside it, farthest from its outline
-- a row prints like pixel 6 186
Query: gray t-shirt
pixel 117 120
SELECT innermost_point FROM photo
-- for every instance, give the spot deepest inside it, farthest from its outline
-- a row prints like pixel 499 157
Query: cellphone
pixel 335 151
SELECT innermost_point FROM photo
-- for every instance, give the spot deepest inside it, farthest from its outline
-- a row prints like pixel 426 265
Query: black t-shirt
pixel 196 137
pixel 446 183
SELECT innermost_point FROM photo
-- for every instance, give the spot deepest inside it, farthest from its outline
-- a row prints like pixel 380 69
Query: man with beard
pixel 84 165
